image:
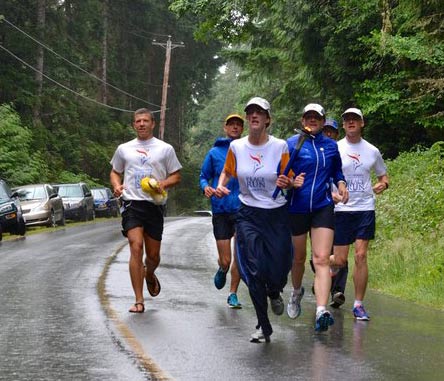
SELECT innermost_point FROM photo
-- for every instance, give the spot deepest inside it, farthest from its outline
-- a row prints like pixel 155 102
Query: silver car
pixel 41 205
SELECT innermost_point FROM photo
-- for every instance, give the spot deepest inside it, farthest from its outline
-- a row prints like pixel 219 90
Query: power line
pixel 65 87
pixel 77 66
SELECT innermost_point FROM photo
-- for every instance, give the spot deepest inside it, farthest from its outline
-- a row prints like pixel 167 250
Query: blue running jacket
pixel 211 169
pixel 319 158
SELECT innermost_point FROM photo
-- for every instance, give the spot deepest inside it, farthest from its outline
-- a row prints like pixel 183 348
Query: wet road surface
pixel 189 333
pixel 65 297
pixel 52 326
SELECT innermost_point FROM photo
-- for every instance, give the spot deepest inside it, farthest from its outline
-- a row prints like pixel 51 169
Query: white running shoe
pixel 259 337
pixel 294 304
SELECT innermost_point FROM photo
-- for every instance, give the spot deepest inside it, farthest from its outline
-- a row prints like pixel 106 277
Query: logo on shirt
pixel 143 156
pixel 355 159
pixel 257 162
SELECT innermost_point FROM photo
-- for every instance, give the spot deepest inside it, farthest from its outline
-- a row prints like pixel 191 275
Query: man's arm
pixel 381 185
pixel 115 179
pixel 172 180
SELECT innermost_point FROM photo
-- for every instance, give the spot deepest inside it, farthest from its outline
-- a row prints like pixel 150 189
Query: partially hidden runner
pixel 223 210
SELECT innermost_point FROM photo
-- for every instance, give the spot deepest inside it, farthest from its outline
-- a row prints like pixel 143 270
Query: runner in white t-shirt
pixel 355 221
pixel 142 216
pixel 263 236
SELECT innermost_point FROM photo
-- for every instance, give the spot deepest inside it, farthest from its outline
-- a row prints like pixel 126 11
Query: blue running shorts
pixel 350 226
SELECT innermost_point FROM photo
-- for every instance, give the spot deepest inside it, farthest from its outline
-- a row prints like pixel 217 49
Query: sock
pixel 357 303
pixel 320 308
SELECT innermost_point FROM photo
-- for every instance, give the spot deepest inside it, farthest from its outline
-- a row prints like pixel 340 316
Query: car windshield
pixel 70 191
pixel 3 194
pixel 99 193
pixel 35 193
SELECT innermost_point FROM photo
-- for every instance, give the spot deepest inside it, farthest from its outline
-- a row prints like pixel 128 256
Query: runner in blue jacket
pixel 224 210
pixel 311 209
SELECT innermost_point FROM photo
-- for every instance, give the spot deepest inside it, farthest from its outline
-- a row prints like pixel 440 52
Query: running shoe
pixel 233 302
pixel 259 337
pixel 277 305
pixel 360 314
pixel 323 321
pixel 220 279
pixel 337 299
pixel 294 304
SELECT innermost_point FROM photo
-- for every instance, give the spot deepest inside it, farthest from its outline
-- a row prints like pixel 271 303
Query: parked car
pixel 41 205
pixel 77 201
pixel 105 203
pixel 11 216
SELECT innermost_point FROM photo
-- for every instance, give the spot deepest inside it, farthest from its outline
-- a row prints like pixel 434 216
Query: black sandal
pixel 137 310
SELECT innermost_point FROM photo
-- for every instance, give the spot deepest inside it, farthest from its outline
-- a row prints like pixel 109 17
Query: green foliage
pixel 19 163
pixel 384 57
pixel 406 259
pixel 69 132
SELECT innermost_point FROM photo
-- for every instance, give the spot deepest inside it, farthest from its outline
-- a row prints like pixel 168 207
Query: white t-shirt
pixel 137 159
pixel 358 160
pixel 257 168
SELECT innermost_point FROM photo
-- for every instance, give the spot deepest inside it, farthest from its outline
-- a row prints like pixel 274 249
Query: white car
pixel 41 205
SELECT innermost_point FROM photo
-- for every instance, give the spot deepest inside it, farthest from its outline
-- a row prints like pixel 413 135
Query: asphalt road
pixel 63 316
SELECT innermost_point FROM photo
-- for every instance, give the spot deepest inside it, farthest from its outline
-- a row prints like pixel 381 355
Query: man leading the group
pixel 224 210
pixel 355 221
pixel 142 217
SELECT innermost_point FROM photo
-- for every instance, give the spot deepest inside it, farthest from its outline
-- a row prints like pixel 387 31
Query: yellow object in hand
pixel 151 186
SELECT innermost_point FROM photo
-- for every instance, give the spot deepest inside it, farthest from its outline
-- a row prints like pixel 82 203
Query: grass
pixel 406 259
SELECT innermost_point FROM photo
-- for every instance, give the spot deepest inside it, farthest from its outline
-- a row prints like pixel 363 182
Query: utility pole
pixel 168 47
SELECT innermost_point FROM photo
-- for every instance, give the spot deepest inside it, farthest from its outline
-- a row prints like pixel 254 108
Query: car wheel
pixel 52 220
pixel 1 233
pixel 84 215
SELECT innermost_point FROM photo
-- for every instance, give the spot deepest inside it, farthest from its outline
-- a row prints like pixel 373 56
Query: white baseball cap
pixel 355 111
pixel 314 107
pixel 261 102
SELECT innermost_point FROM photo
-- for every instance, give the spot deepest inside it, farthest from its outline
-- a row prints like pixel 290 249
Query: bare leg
pixel 360 272
pixel 224 251
pixel 300 254
pixel 322 241
pixel 136 270
pixel 152 260
pixel 340 255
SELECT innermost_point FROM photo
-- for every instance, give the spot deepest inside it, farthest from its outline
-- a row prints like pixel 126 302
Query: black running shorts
pixel 224 225
pixel 143 214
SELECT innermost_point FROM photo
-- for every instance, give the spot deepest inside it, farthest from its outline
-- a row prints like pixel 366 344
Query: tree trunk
pixel 104 51
pixel 387 27
pixel 41 13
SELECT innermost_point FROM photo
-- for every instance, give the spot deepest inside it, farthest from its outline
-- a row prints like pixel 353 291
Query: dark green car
pixel 11 216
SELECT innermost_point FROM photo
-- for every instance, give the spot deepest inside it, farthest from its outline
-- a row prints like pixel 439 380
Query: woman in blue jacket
pixel 311 211
pixel 224 210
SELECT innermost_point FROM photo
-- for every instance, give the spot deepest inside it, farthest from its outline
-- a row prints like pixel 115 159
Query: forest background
pixel 72 71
